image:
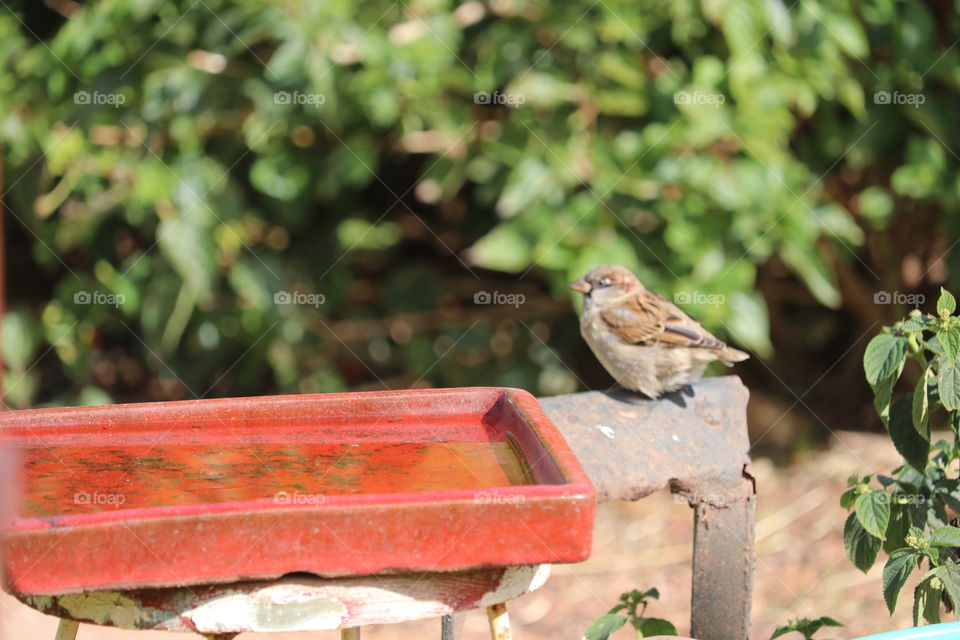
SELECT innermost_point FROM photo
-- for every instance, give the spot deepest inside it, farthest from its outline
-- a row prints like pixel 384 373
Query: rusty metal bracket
pixel 694 442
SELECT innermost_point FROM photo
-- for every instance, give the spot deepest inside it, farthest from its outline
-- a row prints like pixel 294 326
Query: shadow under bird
pixel 644 341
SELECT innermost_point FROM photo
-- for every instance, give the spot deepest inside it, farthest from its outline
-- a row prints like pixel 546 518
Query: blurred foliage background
pixel 175 172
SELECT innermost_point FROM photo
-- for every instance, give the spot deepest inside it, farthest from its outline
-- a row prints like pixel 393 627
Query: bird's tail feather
pixel 730 355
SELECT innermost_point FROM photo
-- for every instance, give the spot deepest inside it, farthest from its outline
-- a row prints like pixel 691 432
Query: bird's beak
pixel 580 285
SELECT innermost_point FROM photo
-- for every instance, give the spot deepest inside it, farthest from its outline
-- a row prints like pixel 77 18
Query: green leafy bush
pixel 196 160
pixel 912 516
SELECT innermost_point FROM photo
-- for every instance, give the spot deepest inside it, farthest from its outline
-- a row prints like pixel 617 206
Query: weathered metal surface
pixel 723 563
pixel 211 491
pixel 451 626
pixel 297 603
pixel 695 442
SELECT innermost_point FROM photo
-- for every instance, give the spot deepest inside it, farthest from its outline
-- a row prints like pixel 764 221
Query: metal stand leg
pixel 723 563
pixel 451 625
pixel 350 634
pixel 499 622
pixel 67 629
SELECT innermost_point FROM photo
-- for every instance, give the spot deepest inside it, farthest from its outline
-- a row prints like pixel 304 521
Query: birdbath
pixel 326 511
pixel 315 512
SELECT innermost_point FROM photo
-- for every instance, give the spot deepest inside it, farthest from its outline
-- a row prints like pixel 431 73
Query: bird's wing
pixel 647 318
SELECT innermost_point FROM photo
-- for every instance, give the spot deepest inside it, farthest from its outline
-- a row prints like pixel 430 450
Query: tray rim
pixel 577 485
pixel 59 416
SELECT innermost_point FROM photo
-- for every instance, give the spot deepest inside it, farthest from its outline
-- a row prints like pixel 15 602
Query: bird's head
pixel 606 282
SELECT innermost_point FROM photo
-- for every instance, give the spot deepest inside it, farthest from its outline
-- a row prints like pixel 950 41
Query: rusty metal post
pixel 450 626
pixel 695 443
pixel 723 564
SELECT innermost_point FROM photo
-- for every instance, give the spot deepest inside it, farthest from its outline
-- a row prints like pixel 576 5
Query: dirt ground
pixel 801 566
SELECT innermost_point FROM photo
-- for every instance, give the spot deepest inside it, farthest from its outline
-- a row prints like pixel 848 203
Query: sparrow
pixel 644 341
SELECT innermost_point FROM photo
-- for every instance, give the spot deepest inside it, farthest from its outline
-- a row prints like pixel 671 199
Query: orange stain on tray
pixel 70 479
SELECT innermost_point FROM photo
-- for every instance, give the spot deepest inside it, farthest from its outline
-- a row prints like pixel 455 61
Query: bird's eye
pixel 604 282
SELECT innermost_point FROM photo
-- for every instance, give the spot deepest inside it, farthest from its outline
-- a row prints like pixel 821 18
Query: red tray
pixel 204 491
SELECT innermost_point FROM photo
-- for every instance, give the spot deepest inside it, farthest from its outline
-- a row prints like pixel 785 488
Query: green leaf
pixel 948 382
pixel 805 626
pixel 279 176
pixel 502 249
pixel 357 233
pixel 778 21
pixel 949 574
pixel 847 32
pixel 895 573
pixel 807 263
pixel 881 397
pixel 848 498
pixel 655 627
pixel 531 181
pixel 947 303
pixel 781 630
pixel 188 245
pixel 952 499
pixel 850 94
pixel 649 593
pixel 926 600
pixel 921 405
pixel 873 512
pixel 862 548
pixel 946 537
pixel 876 206
pixel 749 322
pixel 898 528
pixel 910 444
pixel 18 340
pixel 949 341
pixel 915 323
pixel 604 626
pixel 883 358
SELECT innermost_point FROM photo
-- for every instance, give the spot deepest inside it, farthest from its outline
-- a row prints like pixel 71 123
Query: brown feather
pixel 645 318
